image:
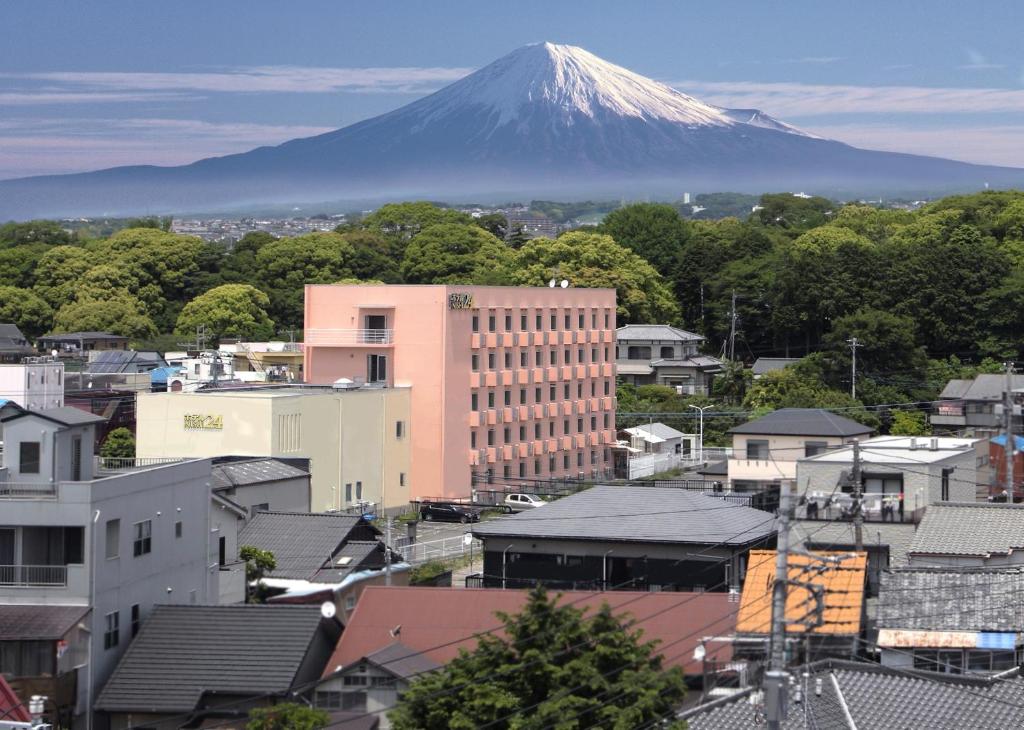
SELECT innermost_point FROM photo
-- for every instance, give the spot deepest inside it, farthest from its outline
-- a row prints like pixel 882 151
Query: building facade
pixel 506 382
pixel 657 354
pixel 357 440
pixel 113 544
pixel 34 383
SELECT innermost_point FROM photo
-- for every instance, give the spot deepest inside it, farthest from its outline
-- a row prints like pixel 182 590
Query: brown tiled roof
pixel 441 621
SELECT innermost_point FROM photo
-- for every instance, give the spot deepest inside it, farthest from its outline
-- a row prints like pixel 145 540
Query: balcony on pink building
pixel 349 337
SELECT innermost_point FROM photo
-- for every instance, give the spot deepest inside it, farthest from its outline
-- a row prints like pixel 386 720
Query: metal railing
pixel 120 463
pixel 28 490
pixel 454 546
pixel 33 575
pixel 348 337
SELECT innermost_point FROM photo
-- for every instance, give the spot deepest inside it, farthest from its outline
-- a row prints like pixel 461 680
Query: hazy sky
pixel 85 85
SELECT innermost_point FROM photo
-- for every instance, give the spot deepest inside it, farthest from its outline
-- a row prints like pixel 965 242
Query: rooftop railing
pixel 33 575
pixel 348 337
pixel 28 490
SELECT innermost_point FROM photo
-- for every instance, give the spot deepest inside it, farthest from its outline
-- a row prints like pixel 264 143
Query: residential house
pixel 33 383
pixel 955 620
pixel 123 361
pixel 116 544
pixel 765 451
pixel 764 365
pixel 263 484
pixel 657 354
pixel 80 344
pixel 397 634
pixel 265 361
pixel 836 693
pixel 41 650
pixel 974 404
pixel 653 448
pixel 215 664
pixel 824 605
pixel 969 535
pixel 13 345
pixel 358 440
pixel 625 538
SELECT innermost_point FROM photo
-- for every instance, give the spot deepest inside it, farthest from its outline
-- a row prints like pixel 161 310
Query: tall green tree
pixel 452 253
pixel 50 233
pixel 27 310
pixel 121 315
pixel 374 256
pixel 552 667
pixel 596 260
pixel 58 270
pixel 235 310
pixel 652 230
pixel 119 444
pixel 405 220
pixel 286 265
pixel 287 716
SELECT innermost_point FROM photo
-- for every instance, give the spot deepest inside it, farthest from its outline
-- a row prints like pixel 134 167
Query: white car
pixel 522 502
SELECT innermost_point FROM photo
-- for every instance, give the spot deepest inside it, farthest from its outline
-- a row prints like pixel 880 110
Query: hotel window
pixel 607 387
pixel 552 392
pixel 472 439
pixel 593 318
pixel 536 395
pixel 606 420
pixel 536 430
pixel 565 461
pixel 524 359
pixel 593 457
pixel 536 466
pixel 112 633
pixel 579 458
pixel 553 357
pixel 582 320
pixel 593 388
pixel 606 353
pixel 476 323
pixel 551 428
pixel 490 399
pixel 607 320
pixel 581 356
pixel 475 362
pixel 540 322
pixel 490 360
pixel 593 423
pixel 565 426
pixel 593 354
pixel 142 543
pixel 522 396
pixel 507 434
pixel 579 390
pixel 579 425
pixel 522 322
pixel 508 397
pixel 522 468
pixel 508 359
pixel 554 321
pixel 538 358
pixel 565 391
pixel 506 471
pixel 474 402
pixel 568 356
pixel 551 463
pixel 568 321
pixel 522 433
pixel 508 322
pixel 491 322
pixel 490 437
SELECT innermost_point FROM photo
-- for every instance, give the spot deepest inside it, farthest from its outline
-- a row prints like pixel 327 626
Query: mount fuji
pixel 545 120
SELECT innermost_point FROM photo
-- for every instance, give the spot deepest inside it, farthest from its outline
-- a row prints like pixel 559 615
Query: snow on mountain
pixel 757 118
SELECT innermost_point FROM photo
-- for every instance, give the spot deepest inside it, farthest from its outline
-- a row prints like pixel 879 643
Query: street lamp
pixel 503 554
pixel 700 446
pixel 604 570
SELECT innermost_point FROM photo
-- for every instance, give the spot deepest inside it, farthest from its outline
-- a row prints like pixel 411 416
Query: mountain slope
pixel 544 120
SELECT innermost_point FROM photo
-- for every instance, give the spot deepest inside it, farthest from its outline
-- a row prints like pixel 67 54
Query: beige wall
pixel 349 436
pixel 784 451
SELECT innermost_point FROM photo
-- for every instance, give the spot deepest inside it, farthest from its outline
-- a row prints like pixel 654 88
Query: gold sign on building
pixel 460 301
pixel 199 422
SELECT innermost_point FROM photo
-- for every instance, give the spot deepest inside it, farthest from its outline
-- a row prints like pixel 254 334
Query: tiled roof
pixel 302 542
pixel 253 471
pixel 988 387
pixel 802 422
pixel 402 661
pixel 64 415
pixel 82 336
pixel 637 514
pixel 955 388
pixel 37 622
pixel 970 528
pixel 354 555
pixel 842 582
pixel 183 652
pixel 876 697
pixel 951 599
pixel 764 365
pixel 655 332
pixel 440 621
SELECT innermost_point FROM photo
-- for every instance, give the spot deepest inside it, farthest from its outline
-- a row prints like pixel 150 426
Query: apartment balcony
pixel 29 490
pixel 34 575
pixel 43 583
pixel 949 414
pixel 349 337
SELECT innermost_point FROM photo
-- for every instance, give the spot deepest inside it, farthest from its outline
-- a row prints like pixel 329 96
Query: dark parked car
pixel 443 512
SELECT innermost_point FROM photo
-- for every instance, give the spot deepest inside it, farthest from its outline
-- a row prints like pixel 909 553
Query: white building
pixel 34 383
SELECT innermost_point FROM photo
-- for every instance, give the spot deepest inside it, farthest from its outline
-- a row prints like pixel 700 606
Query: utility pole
pixel 732 328
pixel 775 679
pixel 858 498
pixel 1008 432
pixel 854 344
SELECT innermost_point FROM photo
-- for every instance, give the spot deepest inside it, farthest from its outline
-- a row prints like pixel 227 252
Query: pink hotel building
pixel 512 382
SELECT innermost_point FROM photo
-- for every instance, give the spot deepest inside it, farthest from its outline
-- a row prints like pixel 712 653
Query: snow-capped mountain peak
pixel 568 81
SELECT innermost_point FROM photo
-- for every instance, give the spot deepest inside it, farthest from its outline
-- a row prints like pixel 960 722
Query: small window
pixel 508 322
pixel 474 402
pixel 28 457
pixel 522 469
pixel 490 399
pixel 757 450
pixel 113 541
pixel 582 320
pixel 359 490
pixel 177 529
pixel 136 619
pixel 508 397
pixel 490 437
pixel 401 478
pixel 112 632
pixel 812 448
pixel 524 359
pixel 399 429
pixel 348 492
pixel 472 439
pixel 491 323
pixel 554 321
pixel 476 323
pixel 522 396
pixel 350 602
pixel 142 543
pixel 490 361
pixel 522 322
pixel 475 359
pixel 540 323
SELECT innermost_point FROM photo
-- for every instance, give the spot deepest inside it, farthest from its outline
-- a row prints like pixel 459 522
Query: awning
pixel 633 369
pixel 38 622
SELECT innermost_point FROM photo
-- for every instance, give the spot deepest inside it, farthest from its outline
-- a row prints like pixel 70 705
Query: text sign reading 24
pixel 460 301
pixel 195 421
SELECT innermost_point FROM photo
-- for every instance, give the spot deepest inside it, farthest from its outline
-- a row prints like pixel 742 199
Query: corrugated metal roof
pixel 637 514
pixel 802 422
pixel 841 581
pixel 970 528
pixel 183 652
pixel 441 621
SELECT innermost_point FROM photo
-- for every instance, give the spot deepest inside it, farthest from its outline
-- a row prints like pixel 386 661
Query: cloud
pixel 977 62
pixel 42 145
pixel 814 59
pixel 794 99
pixel 252 79
pixel 49 96
pixel 992 145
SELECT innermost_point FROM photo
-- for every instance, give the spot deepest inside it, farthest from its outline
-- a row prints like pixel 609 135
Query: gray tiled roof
pixel 253 471
pixel 988 386
pixel 403 661
pixel 802 422
pixel 764 365
pixel 637 514
pixel 956 388
pixel 22 621
pixel 360 552
pixel 970 528
pixel 302 542
pixel 655 332
pixel 82 336
pixel 839 535
pixel 877 697
pixel 951 599
pixel 694 361
pixel 183 651
pixel 65 415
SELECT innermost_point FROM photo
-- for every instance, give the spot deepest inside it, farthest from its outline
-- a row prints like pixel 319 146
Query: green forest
pixel 931 294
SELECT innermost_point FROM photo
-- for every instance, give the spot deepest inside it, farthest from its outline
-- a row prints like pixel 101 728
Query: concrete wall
pixel 33 385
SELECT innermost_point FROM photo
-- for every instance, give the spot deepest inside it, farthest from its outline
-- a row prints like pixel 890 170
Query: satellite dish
pixel 565 283
pixel 328 609
pixel 552 283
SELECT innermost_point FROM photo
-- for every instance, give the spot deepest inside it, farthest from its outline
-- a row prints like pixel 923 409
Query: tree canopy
pixel 553 667
pixel 453 253
pixel 237 310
